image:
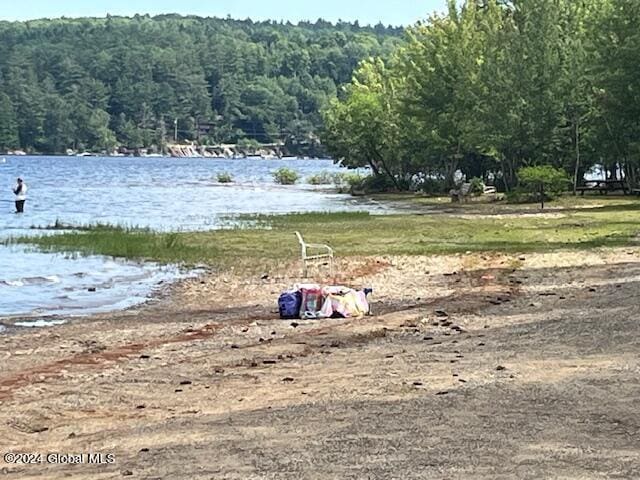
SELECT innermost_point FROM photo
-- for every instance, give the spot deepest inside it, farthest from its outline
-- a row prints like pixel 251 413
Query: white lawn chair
pixel 323 253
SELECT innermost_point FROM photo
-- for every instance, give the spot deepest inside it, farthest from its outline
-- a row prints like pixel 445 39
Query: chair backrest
pixel 302 244
pixel 465 188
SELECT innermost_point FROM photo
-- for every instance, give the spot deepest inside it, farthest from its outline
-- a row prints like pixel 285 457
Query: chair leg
pixel 304 268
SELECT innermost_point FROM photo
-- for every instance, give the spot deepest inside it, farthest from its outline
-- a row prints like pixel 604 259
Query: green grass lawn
pixel 481 204
pixel 469 227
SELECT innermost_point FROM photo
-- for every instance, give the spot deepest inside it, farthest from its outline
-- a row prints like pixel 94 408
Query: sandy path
pixel 474 366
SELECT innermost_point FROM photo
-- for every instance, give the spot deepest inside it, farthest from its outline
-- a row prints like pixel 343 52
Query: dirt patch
pixel 473 366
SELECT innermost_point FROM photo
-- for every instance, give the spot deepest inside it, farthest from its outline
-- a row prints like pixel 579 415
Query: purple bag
pixel 289 305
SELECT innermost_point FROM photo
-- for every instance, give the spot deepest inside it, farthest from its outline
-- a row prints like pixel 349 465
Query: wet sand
pixel 472 366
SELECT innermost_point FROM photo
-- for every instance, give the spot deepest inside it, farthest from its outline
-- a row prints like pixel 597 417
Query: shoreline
pixel 160 156
pixel 158 295
pixel 445 230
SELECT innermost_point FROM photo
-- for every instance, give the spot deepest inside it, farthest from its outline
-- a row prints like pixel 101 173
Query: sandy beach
pixel 480 366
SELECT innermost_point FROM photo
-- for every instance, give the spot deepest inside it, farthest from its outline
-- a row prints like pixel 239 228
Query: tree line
pixel 492 86
pixel 98 83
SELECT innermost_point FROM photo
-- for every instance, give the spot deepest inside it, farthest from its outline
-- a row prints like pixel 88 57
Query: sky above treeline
pixel 399 12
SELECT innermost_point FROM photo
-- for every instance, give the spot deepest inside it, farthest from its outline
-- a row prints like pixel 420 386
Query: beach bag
pixel 289 305
pixel 312 300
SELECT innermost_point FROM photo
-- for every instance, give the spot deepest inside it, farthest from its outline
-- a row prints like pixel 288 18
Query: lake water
pixel 169 194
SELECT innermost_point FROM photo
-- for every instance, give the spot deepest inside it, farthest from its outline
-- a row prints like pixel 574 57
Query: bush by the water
pixel 225 177
pixel 285 176
pixel 248 144
pixel 355 182
pixel 322 178
pixel 381 183
pixel 345 182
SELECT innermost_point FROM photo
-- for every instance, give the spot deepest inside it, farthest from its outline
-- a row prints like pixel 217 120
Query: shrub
pixel 380 183
pixel 285 176
pixel 356 182
pixel 539 183
pixel 520 195
pixel 345 181
pixel 354 179
pixel 225 177
pixel 550 180
pixel 322 178
pixel 248 143
pixel 476 186
pixel 433 186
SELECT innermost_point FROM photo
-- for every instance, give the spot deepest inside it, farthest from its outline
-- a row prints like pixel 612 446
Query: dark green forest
pixel 494 88
pixel 97 84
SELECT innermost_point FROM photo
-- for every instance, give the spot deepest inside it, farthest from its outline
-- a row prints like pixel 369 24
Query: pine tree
pixel 8 124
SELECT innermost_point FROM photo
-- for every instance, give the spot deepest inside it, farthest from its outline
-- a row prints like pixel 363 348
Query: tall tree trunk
pixel 508 174
pixel 451 168
pixel 374 167
pixel 387 171
pixel 577 168
pixel 633 175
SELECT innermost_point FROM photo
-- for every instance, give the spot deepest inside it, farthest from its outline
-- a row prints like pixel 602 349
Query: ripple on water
pixel 74 286
pixel 39 323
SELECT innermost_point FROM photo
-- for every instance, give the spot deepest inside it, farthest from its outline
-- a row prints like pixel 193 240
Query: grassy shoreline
pixel 270 239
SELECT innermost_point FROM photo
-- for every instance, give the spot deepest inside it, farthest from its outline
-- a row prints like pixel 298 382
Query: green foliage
pixel 520 195
pixel 361 234
pixel 553 181
pixel 360 129
pixel 357 183
pixel 322 178
pixel 617 67
pixel 285 176
pixel 489 87
pixel 224 177
pixel 378 184
pixel 172 241
pixel 354 179
pixel 8 124
pixel 476 186
pixel 442 66
pixel 249 143
pixel 348 182
pixel 433 186
pixel 91 83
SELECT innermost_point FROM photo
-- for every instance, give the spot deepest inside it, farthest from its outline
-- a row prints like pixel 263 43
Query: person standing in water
pixel 20 192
